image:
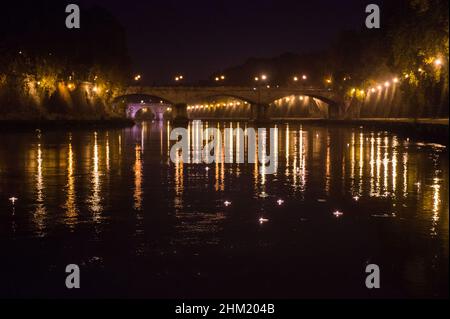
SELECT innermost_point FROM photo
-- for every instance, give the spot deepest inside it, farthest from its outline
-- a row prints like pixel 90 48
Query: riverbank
pixel 8 125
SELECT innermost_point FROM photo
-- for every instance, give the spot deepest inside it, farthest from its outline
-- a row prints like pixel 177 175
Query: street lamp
pixel 220 78
pixel 137 77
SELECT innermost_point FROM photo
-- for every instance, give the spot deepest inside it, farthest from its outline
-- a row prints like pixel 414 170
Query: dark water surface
pixel 139 225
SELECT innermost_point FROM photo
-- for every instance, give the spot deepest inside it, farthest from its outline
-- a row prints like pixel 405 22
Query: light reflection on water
pixel 69 182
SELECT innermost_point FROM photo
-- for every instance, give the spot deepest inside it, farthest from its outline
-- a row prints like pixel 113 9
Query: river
pixel 140 225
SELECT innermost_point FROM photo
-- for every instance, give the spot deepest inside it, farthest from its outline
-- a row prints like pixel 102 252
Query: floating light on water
pixel 206 168
pixel 263 220
pixel 356 198
pixel 13 200
pixel 227 203
pixel 280 202
pixel 338 214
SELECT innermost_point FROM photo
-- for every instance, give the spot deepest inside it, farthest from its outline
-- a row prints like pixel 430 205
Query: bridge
pixel 177 98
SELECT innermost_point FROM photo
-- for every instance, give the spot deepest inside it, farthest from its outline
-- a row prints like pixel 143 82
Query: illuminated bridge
pixel 183 101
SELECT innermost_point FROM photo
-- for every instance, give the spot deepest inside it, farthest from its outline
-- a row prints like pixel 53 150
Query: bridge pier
pixel 259 112
pixel 179 115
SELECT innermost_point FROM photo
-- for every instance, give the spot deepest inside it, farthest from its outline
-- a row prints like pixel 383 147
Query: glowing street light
pixel 295 79
pixel 263 77
pixel 395 80
pixel 304 77
pixel 137 77
pixel 220 78
pixel 256 78
pixel 387 84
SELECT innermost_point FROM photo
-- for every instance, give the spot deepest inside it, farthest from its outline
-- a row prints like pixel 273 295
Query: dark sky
pixel 198 37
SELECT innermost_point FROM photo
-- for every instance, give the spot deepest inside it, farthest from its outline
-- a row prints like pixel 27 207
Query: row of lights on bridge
pixel 263 77
pixel 206 106
pixel 222 77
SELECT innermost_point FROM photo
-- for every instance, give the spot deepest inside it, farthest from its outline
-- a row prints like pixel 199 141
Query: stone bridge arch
pixel 259 97
pixel 133 103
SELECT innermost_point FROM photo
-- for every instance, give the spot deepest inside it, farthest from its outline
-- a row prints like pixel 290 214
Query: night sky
pixel 199 37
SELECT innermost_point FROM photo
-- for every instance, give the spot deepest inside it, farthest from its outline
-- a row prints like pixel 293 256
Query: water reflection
pixel 70 205
pixel 95 199
pixel 138 179
pixel 344 161
pixel 40 210
pixel 99 178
